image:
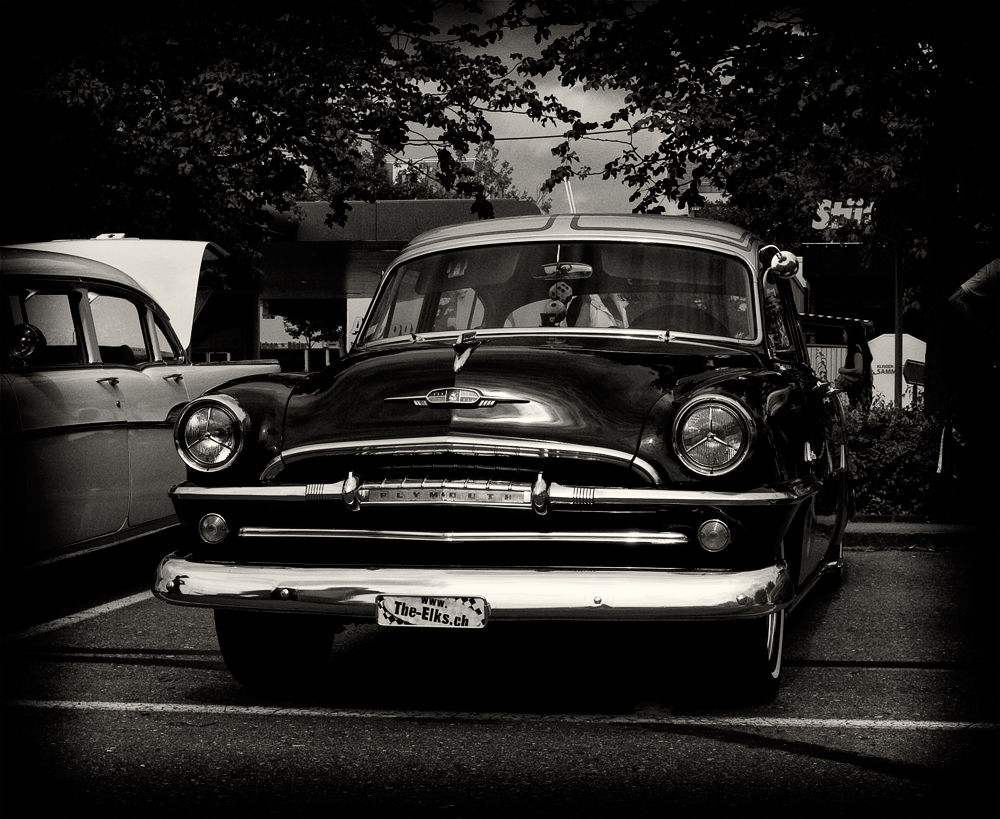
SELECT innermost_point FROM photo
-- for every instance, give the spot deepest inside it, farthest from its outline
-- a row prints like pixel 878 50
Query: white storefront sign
pixel 884 365
pixel 850 209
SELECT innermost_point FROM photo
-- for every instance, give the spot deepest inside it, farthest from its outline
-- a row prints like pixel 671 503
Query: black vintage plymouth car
pixel 576 417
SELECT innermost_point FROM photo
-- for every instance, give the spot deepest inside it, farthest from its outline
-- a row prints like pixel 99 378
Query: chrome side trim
pixel 635 538
pixel 463 445
pixel 399 493
pixel 512 593
pixel 123 535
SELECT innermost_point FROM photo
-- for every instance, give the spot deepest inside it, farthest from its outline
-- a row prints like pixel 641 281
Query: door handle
pixel 177 377
pixel 109 380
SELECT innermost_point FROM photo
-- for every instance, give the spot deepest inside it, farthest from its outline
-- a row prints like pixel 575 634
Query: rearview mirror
pixel 565 271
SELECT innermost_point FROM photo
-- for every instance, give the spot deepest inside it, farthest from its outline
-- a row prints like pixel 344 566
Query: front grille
pixel 465 503
pixel 477 470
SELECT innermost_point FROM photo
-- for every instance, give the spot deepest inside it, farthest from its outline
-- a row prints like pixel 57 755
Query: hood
pixel 572 393
pixel 166 269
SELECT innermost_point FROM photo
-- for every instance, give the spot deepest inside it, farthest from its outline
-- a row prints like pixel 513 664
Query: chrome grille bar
pixel 636 538
pixel 540 496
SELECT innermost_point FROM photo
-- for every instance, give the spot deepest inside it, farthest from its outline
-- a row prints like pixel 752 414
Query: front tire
pixel 833 573
pixel 274 652
pixel 757 655
pixel 738 662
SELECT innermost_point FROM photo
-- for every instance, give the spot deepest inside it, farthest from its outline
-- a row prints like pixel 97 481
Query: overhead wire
pixel 544 136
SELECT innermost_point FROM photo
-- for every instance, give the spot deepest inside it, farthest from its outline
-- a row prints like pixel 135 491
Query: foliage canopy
pixel 779 106
pixel 192 119
pixel 484 173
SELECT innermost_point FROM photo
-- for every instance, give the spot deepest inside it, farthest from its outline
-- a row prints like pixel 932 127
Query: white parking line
pixel 460 716
pixel 73 619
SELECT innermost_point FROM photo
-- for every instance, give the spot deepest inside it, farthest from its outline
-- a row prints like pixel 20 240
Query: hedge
pixel 894 455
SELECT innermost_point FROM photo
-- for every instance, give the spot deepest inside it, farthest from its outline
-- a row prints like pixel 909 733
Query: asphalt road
pixel 114 704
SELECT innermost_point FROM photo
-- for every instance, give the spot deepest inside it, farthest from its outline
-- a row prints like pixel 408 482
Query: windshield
pixel 567 285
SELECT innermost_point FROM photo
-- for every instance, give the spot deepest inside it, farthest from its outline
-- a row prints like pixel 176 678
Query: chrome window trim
pixel 632 334
pixel 564 228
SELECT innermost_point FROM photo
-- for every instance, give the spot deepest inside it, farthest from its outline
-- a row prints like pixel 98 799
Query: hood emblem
pixel 455 397
pixel 463 348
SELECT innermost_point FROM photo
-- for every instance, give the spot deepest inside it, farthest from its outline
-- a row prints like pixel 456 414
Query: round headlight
pixel 713 435
pixel 209 433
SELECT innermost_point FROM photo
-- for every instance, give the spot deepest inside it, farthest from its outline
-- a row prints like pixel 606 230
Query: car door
pixel 149 383
pixel 823 441
pixel 65 426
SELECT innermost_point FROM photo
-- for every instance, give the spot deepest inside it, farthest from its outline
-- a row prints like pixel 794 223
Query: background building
pixel 311 269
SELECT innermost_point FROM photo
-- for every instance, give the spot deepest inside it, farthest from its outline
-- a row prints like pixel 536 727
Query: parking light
pixel 714 536
pixel 213 528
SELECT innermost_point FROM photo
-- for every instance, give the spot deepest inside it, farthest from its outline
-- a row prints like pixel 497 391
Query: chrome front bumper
pixel 512 593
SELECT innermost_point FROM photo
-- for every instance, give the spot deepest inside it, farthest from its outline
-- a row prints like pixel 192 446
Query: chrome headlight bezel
pixel 224 415
pixel 697 424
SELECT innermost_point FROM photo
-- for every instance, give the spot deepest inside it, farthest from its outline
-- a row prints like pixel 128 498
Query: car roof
pixel 166 270
pixel 43 264
pixel 613 227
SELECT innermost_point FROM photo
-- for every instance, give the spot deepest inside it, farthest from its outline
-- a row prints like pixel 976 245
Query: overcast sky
pixel 532 158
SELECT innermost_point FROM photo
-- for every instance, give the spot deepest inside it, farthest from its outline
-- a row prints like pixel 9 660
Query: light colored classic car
pixel 94 373
pixel 601 418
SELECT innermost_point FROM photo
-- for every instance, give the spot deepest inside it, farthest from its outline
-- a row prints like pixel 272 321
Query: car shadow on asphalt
pixel 537 668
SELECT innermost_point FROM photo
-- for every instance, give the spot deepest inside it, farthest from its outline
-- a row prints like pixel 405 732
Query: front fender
pixel 753 389
pixel 265 399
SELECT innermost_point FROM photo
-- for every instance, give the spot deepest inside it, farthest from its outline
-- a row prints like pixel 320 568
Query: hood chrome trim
pixel 455 398
pixel 464 445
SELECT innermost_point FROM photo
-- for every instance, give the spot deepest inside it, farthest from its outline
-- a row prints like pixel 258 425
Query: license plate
pixel 431 612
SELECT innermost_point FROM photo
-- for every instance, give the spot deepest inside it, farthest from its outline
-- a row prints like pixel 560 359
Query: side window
pixel 53 314
pixel 458 310
pixel 118 325
pixel 169 353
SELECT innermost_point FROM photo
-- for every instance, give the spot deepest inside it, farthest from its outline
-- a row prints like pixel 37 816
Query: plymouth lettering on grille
pixel 481 497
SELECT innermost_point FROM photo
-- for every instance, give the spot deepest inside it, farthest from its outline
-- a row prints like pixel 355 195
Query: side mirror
pixel 779 262
pixel 27 342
